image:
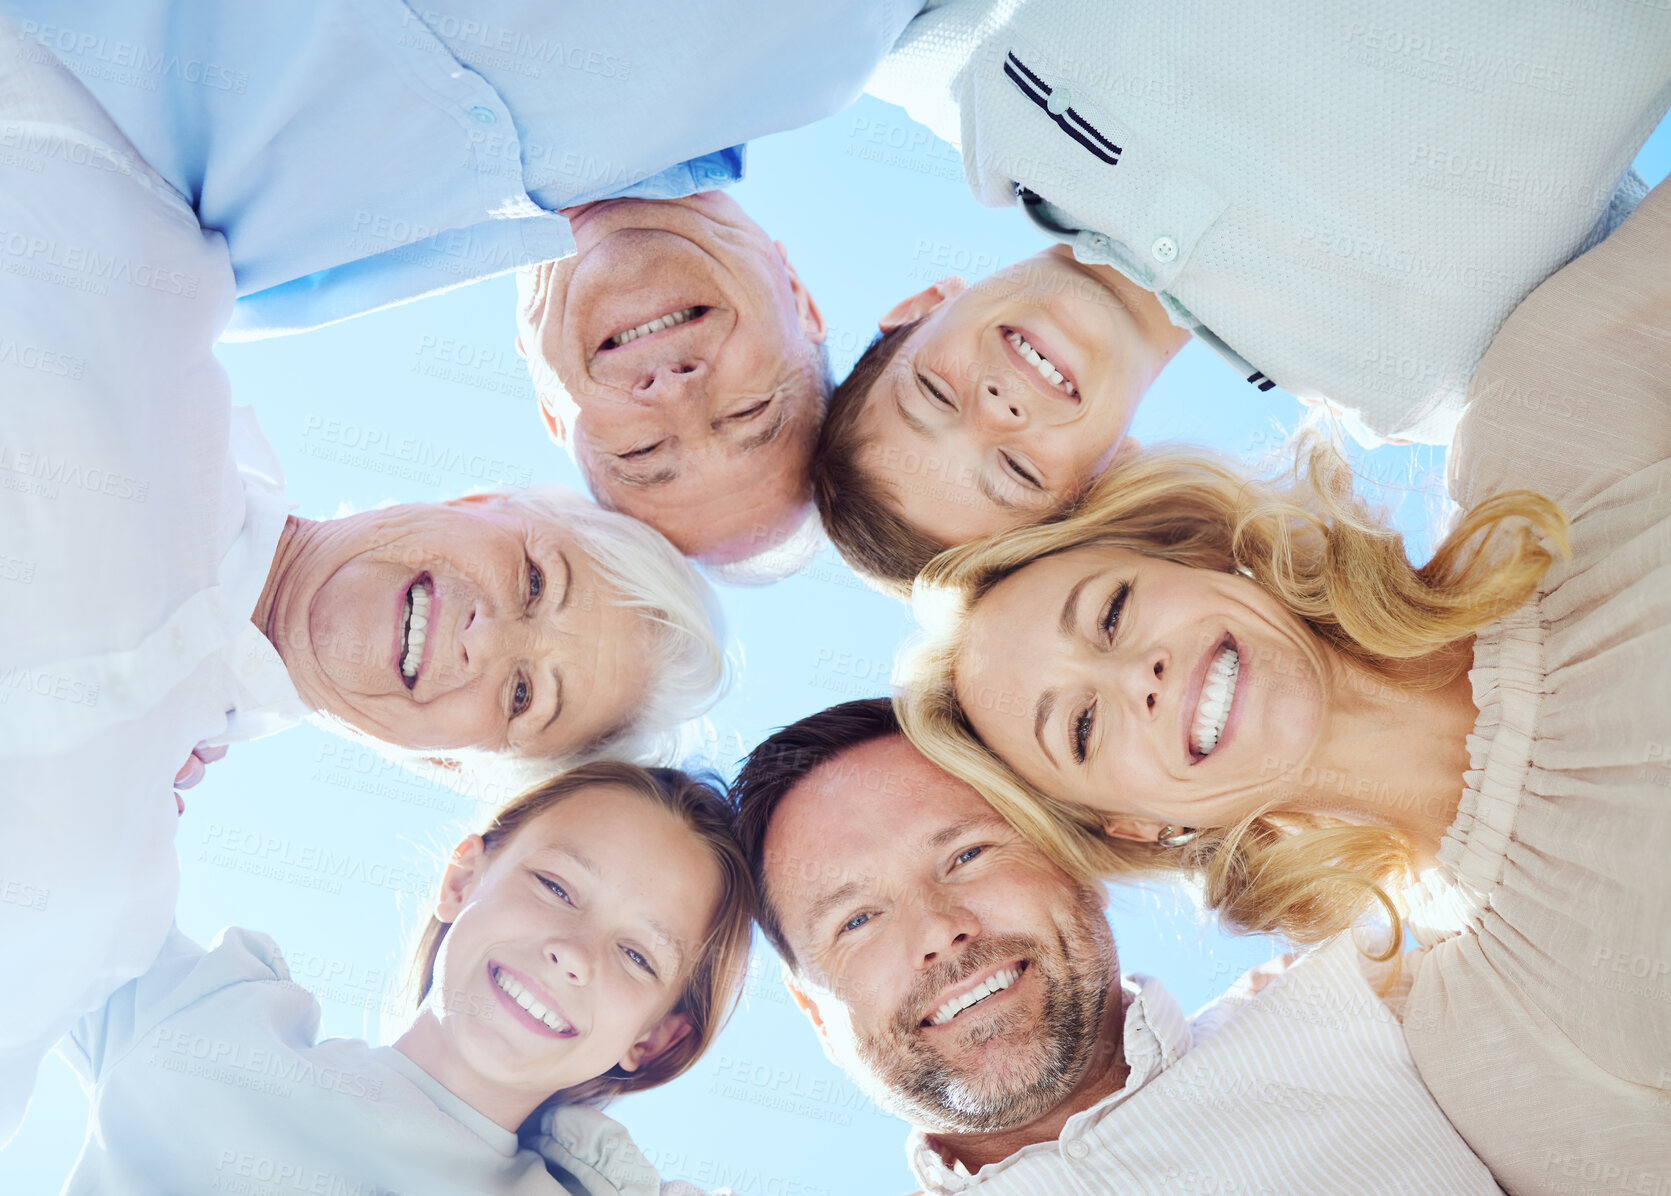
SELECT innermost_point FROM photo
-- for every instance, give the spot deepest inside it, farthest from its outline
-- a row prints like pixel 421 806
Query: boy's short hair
pixel 859 512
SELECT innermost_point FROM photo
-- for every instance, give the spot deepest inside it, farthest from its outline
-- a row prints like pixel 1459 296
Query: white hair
pixel 783 559
pixel 687 669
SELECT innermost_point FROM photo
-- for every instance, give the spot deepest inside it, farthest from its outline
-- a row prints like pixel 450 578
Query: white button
pixel 1164 249
pixel 179 641
pixel 1078 1149
pixel 251 667
pixel 118 688
pixel 483 116
pixel 1059 102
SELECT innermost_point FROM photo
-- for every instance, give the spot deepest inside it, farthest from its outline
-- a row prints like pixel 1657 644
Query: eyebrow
pixel 765 435
pixel 660 477
pixel 957 830
pixel 841 896
pixel 985 486
pixel 1047 700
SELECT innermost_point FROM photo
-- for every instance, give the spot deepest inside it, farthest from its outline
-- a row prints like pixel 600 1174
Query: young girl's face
pixel 570 942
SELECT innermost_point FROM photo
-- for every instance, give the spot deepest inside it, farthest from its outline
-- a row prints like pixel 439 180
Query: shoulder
pixel 598 1152
pixel 1571 396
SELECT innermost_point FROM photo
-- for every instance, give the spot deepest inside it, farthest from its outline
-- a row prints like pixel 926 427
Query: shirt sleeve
pixel 182 973
pixel 1572 395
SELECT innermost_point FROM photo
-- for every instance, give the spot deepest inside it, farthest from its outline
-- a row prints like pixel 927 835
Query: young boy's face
pixel 1008 398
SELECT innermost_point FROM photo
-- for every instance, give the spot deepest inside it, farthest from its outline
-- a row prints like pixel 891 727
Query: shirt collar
pixel 1156 1036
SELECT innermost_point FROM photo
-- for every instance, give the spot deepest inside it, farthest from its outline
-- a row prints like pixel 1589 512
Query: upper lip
pixel 1192 696
pixel 541 994
pixel 970 984
pixel 1026 369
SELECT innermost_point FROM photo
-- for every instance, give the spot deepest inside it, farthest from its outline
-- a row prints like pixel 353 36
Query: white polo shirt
pixel 1345 199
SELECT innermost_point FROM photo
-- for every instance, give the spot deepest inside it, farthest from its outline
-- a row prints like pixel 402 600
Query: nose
pixel 673 380
pixel 943 925
pixel 999 407
pixel 491 634
pixel 1140 677
pixel 572 956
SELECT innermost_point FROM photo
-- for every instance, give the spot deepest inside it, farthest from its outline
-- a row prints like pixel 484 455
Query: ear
pixel 805 1004
pixel 806 308
pixel 464 870
pixel 661 1038
pixel 1127 446
pixel 922 303
pixel 1137 830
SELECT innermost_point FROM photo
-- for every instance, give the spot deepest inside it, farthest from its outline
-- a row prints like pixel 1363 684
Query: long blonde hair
pixel 715 980
pixel 1330 561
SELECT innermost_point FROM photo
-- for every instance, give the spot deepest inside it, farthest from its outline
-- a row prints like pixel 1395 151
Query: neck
pixel 1392 757
pixel 1105 1075
pixel 426 1044
pixel 1155 330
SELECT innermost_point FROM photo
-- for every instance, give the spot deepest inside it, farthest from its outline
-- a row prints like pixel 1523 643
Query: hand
pixel 191 772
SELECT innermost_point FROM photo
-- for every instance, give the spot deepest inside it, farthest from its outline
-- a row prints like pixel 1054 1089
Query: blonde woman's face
pixel 1153 692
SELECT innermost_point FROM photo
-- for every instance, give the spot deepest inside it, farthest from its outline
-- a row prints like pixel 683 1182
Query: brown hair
pixel 1331 562
pixel 777 765
pixel 858 511
pixel 715 978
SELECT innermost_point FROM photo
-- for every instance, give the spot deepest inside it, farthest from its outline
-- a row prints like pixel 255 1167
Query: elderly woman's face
pixel 469 624
pixel 1150 691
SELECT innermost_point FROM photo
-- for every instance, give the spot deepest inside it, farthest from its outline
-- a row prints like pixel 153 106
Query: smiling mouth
pixel 415 634
pixel 672 319
pixel 1218 695
pixel 509 985
pixel 994 984
pixel 1045 367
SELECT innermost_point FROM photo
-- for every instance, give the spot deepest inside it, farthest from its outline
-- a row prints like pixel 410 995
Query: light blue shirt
pixel 360 153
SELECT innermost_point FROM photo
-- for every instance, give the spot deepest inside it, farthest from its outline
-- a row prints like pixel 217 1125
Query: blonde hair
pixel 715 978
pixel 1330 561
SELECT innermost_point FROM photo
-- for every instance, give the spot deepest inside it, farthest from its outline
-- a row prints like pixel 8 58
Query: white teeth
pixel 980 992
pixel 524 998
pixel 670 320
pixel 1039 362
pixel 417 629
pixel 1218 693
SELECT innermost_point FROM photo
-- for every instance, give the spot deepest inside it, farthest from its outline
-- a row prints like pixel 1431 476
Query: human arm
pixel 1573 394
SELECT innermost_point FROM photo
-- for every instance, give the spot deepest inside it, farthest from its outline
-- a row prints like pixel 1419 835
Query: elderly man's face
pixel 689 380
pixel 469 624
pixel 953 972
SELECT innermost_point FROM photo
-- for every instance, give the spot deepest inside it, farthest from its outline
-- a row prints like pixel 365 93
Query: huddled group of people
pixel 1443 784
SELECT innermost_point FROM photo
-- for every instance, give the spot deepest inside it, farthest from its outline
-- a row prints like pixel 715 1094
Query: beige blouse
pixel 1543 1025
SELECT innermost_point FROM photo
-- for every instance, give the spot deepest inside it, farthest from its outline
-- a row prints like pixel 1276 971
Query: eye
pixel 640 452
pixel 1016 468
pixel 750 412
pixel 558 889
pixel 522 695
pixel 536 582
pixel 1080 732
pixel 638 959
pixel 935 393
pixel 1110 621
pixel 969 853
pixel 853 923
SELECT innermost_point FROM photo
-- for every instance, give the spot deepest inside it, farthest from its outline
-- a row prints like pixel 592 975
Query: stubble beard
pixel 1048 1055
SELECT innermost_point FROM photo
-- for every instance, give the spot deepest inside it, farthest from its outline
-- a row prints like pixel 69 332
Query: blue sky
pixel 871 208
